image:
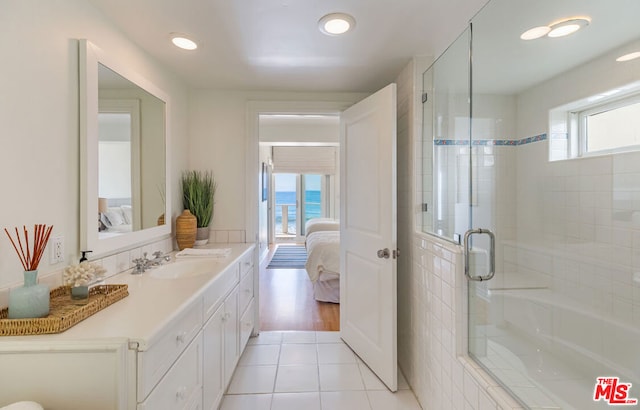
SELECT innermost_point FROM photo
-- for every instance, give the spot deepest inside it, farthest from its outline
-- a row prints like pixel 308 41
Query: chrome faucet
pixel 158 258
pixel 142 264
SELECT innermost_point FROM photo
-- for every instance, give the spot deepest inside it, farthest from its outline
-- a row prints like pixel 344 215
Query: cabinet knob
pixel 180 337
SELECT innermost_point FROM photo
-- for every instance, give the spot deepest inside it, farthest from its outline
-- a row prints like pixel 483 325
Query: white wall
pixel 218 141
pixel 263 207
pixel 39 117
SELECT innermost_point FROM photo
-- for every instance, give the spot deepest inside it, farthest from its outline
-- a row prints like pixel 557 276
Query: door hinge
pixel 425 97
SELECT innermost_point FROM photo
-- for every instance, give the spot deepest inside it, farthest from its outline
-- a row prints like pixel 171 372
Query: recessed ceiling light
pixel 535 32
pixel 335 24
pixel 558 28
pixel 629 57
pixel 183 41
pixel 567 26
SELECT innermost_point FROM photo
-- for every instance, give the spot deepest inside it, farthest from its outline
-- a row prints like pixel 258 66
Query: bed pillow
pixel 115 216
pixel 128 214
pixel 105 220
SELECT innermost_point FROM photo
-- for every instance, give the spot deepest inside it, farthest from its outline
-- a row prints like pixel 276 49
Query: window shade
pixel 305 160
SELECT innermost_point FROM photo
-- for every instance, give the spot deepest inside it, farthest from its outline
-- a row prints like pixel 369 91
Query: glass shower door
pixel 446 114
pixel 558 326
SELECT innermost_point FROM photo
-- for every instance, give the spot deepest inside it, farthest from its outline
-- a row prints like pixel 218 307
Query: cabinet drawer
pixel 246 325
pixel 245 291
pixel 181 387
pixel 231 333
pixel 154 363
pixel 220 287
pixel 246 263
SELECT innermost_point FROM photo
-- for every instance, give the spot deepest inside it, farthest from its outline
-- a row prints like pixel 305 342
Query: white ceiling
pixel 504 64
pixel 276 44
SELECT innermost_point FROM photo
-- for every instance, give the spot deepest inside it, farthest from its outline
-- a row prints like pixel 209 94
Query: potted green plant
pixel 198 193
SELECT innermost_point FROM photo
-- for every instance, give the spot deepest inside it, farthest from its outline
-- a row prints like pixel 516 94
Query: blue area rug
pixel 289 257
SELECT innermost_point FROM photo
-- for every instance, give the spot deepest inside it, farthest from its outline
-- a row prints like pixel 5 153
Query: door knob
pixel 384 253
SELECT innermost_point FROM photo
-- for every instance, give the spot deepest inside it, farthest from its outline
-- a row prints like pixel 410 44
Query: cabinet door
pixel 214 383
pixel 245 291
pixel 246 326
pixel 231 346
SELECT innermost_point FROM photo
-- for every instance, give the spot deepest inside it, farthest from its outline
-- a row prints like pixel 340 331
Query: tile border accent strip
pixel 503 142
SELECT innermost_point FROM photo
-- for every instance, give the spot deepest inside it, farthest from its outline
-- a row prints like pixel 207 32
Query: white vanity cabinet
pixel 224 339
pixel 161 354
pixel 213 359
pixel 169 345
pixel 88 374
pixel 181 387
pixel 231 335
pixel 245 299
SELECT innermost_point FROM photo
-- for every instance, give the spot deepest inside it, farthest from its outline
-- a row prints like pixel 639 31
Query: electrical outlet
pixel 57 249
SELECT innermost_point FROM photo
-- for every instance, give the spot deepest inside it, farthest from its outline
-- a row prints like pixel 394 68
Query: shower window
pixel 611 127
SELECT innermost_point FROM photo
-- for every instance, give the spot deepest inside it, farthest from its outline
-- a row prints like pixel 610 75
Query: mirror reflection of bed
pixel 116 217
pixel 303 298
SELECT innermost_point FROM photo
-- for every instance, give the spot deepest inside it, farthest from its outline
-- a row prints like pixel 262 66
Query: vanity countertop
pixel 151 304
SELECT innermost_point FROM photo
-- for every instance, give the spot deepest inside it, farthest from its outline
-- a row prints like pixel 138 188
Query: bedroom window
pixel 298 198
pixel 312 206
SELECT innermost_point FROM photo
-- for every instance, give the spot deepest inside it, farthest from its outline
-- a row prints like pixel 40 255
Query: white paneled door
pixel 368 311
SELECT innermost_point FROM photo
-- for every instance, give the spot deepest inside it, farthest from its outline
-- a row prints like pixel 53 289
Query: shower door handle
pixel 492 254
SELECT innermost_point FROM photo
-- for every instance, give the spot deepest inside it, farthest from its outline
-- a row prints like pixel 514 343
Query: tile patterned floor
pixel 310 371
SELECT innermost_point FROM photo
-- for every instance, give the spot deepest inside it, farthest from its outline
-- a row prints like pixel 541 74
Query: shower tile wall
pixel 580 220
pixel 436 365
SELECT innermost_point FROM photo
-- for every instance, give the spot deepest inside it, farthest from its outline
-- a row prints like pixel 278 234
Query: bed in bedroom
pixel 321 224
pixel 116 221
pixel 323 261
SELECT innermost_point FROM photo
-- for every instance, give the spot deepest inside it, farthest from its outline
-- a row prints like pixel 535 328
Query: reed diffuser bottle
pixel 32 299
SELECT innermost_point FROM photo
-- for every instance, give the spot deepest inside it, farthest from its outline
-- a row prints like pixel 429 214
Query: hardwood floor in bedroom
pixel 287 303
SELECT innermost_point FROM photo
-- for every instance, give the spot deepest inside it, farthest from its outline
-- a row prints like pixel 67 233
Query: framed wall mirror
pixel 123 151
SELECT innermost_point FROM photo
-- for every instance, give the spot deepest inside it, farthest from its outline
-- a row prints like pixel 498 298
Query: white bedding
pixel 114 231
pixel 321 224
pixel 323 250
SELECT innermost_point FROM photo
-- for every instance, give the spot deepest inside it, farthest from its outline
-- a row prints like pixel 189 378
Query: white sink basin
pixel 182 269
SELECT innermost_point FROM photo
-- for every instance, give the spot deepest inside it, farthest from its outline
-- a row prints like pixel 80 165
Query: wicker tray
pixel 63 312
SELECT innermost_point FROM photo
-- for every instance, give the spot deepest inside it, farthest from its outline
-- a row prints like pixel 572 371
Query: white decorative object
pixel 82 274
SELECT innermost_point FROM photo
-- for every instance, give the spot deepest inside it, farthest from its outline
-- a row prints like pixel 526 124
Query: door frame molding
pixel 253 166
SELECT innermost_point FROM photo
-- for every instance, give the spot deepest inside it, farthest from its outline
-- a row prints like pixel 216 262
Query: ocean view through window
pixel 287 199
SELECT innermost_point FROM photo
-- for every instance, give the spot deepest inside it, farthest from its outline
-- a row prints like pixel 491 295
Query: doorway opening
pixel 301 155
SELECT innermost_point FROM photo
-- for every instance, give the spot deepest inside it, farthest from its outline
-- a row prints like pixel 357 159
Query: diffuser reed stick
pixel 31 258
